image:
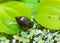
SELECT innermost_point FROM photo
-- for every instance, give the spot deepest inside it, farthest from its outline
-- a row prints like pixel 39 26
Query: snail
pixel 24 21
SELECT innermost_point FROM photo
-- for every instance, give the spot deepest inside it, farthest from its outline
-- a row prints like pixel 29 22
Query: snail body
pixel 24 21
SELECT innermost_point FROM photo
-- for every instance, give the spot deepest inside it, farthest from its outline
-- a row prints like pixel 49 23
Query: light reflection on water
pixel 7 41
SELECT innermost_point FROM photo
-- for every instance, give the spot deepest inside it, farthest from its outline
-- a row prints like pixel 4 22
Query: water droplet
pixel 10 22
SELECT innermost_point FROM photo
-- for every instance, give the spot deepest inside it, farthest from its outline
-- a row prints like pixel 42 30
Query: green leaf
pixel 48 14
pixel 31 4
pixel 21 8
pixel 8 12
